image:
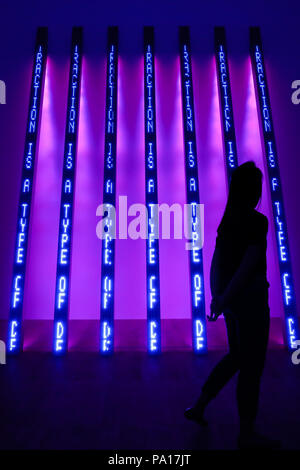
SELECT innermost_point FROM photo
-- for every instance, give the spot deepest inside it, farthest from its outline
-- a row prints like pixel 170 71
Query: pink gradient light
pixel 174 267
pixel 130 262
pixel 130 259
pixel 86 247
pixel 211 169
pixel 251 149
pixel 41 262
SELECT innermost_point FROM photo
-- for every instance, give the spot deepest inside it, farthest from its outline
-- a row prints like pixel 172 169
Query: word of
pixel 109 197
pixel 62 293
pixel 193 198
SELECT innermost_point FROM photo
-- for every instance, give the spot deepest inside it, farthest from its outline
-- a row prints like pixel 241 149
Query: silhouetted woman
pixel 239 289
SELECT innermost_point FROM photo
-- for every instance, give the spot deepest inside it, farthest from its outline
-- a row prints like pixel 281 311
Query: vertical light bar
pixel 25 200
pixel 225 100
pixel 62 292
pixel 109 196
pixel 270 151
pixel 192 191
pixel 152 242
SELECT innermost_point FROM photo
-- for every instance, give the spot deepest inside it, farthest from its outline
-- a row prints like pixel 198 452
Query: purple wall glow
pixel 17 33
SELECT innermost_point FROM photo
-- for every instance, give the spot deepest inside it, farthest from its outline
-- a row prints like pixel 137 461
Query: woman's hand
pixel 216 308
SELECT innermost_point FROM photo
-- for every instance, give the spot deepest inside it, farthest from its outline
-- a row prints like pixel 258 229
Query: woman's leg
pixel 253 332
pixel 226 367
pixel 220 374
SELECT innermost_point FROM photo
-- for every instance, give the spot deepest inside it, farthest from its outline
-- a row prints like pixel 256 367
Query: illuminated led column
pixel 109 196
pixel 27 180
pixel 270 151
pixel 62 292
pixel 192 191
pixel 225 100
pixel 152 242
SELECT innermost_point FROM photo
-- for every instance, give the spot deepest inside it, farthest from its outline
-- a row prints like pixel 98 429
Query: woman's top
pixel 236 233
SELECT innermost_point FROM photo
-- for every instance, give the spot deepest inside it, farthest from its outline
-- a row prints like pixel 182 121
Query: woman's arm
pixel 240 278
pixel 215 273
pixel 215 286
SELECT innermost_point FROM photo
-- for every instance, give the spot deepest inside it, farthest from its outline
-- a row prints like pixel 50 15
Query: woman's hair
pixel 244 190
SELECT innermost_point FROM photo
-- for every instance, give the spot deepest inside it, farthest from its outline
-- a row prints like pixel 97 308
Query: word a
pixel 2 92
pixel 296 94
pixel 296 354
pixel 2 353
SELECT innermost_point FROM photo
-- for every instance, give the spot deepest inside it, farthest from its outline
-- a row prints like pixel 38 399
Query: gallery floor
pixel 133 401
